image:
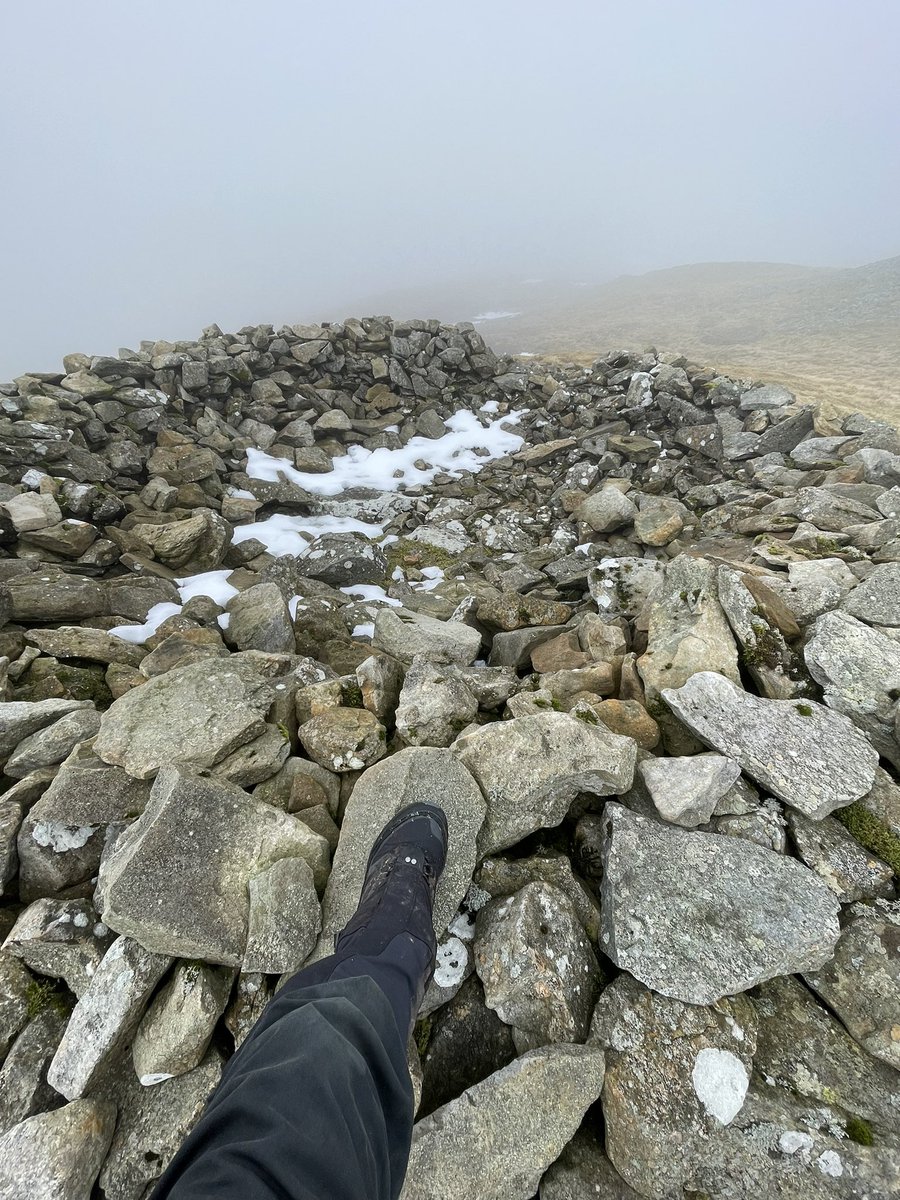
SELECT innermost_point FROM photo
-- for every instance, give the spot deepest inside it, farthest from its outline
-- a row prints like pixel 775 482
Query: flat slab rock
pixel 195 714
pixel 497 1139
pixel 530 770
pixel 698 916
pixel 813 759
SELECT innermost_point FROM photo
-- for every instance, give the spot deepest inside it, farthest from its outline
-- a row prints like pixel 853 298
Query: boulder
pixel 220 837
pixel 344 559
pixel 57 1155
pixel 50 746
pixel 176 1029
pixel 20 719
pixel 530 770
pixel 434 704
pixel 194 715
pixel 405 635
pixel 687 790
pixel 259 619
pixel 499 1137
pixel 24 1090
pixel 344 739
pixel 698 916
pixel 808 756
pixel 64 939
pixel 285 918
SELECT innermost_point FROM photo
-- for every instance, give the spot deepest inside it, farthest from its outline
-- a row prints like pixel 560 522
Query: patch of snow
pixel 463 926
pixel 223 620
pixel 281 534
pixel 371 591
pixel 452 960
pixel 32 477
pixel 490 406
pixel 155 617
pixel 720 1081
pixel 365 630
pixel 496 315
pixel 156 1077
pixel 387 470
pixel 62 837
pixel 213 584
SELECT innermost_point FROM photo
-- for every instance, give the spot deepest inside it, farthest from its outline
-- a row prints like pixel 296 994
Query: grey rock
pixel 344 739
pixel 106 1015
pixel 64 939
pixel 687 790
pixel 434 704
pixel 660 520
pixel 343 559
pixel 467 1042
pixel 259 619
pixel 24 1090
pixel 803 1048
pixel 299 785
pixel 11 815
pixel 688 632
pixel 252 993
pixel 50 746
pixel 405 635
pixel 195 715
pixel 285 917
pixel 771 664
pixel 152 1124
pixel 765 826
pixel 189 547
pixel 380 679
pixel 822 452
pixel 698 916
pixel 583 1169
pixel 812 588
pixel 14 987
pixel 499 1137
pixel 877 599
pixel 505 876
pixel 220 836
pixel 57 1155
pixel 770 395
pixel 76 641
pixel 859 671
pixel 537 967
pixel 850 871
pixel 31 511
pixel 255 761
pixel 176 1029
pixel 19 719
pixel 530 770
pixel 606 510
pixel 809 757
pixel 862 982
pixel 624 585
pixel 676 1077
pixel 513 648
pixel 407 777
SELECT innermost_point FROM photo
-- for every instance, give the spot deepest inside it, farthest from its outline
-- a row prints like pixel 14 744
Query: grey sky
pixel 168 163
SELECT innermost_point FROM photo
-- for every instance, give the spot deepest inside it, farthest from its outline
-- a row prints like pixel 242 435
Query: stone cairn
pixel 648 657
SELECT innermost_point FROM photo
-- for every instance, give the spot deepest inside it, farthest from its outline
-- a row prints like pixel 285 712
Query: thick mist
pixel 167 165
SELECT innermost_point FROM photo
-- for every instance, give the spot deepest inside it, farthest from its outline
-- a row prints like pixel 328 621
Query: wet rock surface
pixel 633 624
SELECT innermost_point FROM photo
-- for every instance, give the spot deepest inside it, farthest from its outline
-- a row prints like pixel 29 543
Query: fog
pixel 170 164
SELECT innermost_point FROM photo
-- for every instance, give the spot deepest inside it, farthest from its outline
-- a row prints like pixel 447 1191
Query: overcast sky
pixel 169 163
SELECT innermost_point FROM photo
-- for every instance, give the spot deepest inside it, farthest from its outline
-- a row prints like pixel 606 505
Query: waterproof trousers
pixel 317 1103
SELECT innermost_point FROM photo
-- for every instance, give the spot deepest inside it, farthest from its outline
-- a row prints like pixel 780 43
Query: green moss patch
pixel 871 833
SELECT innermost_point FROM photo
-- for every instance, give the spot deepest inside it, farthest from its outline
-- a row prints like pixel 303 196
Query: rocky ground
pixel 636 626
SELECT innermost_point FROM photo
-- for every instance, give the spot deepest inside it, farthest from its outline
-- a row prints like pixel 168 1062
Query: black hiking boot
pixel 391 934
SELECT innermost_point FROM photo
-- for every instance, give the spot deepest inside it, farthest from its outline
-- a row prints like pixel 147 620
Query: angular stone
pixel 688 633
pixel 514 649
pixel 300 785
pixel 877 599
pixel 625 585
pixel 191 546
pixel 434 704
pixel 14 986
pixel 828 849
pixel 194 715
pixel 152 1124
pixel 765 654
pixel 408 777
pixel 505 876
pixel 64 939
pixel 76 641
pixel 769 395
pixel 698 916
pixel 862 982
pixel 31 511
pixel 606 510
pixel 19 719
pixel 105 1016
pixel 629 718
pixel 256 761
pixel 801 752
pixel 859 671
pixel 285 918
pixel 259 619
pixel 498 1138
pixel 804 1049
pixel 344 739
pixel 50 746
pixel 687 790
pixel 176 1029
pixel 380 679
pixel 343 559
pixel 530 770
pixel 537 967
pixel 405 634
pixel 582 1170
pixel 660 520
pixel 676 1077
pixel 24 1090
pixel 507 611
pixel 467 1043
pixel 220 836
pixel 57 1155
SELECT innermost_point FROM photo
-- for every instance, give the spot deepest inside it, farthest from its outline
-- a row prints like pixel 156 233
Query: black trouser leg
pixel 317 1103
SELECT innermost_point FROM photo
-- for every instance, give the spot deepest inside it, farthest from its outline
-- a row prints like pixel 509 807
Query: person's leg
pixel 317 1102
